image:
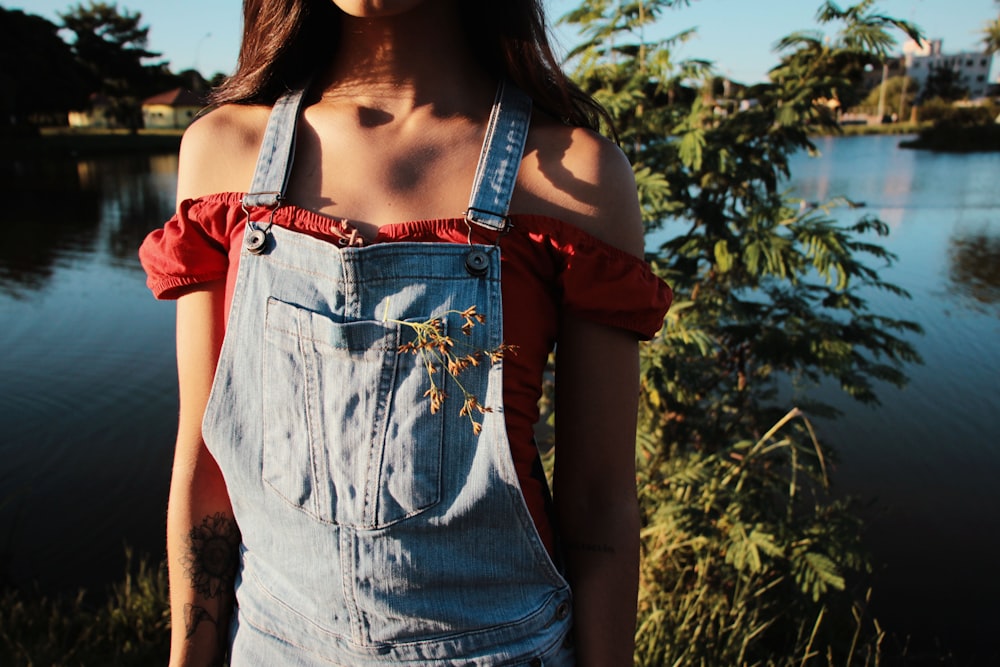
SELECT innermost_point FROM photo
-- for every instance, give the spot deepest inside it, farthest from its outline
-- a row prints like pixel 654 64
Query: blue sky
pixel 738 35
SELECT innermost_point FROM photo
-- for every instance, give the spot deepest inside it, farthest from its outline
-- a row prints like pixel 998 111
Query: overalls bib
pixel 375 530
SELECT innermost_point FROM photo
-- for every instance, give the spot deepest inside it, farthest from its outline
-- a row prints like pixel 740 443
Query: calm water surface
pixel 88 391
pixel 929 456
pixel 87 385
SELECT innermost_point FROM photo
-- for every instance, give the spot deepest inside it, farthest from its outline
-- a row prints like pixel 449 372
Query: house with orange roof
pixel 173 109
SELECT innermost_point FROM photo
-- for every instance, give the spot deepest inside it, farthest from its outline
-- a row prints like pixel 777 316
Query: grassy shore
pixel 867 130
pixel 74 142
pixel 952 139
pixel 941 137
pixel 127 627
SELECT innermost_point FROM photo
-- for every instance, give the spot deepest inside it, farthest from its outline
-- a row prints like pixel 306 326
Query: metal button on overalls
pixel 256 241
pixel 477 262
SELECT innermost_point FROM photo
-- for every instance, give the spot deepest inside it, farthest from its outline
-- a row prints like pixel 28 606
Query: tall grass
pixel 129 628
pixel 747 561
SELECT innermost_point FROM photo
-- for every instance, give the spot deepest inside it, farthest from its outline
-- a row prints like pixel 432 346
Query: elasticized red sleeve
pixel 603 284
pixel 193 246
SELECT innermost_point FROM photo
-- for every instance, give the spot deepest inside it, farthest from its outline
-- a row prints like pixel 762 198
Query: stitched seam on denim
pixel 347 541
pixel 491 127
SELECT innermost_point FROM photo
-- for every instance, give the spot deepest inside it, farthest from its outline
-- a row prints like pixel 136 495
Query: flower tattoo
pixel 213 555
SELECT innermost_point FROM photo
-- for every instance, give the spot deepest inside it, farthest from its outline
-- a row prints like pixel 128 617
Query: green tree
pixel 38 75
pixel 744 551
pixel 900 95
pixel 110 44
pixel 217 80
pixel 192 80
pixel 991 34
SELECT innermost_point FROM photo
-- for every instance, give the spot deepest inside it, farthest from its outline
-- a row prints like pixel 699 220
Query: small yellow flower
pixel 438 351
pixel 437 397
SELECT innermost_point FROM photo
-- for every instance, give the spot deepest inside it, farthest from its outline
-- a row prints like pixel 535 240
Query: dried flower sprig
pixel 438 350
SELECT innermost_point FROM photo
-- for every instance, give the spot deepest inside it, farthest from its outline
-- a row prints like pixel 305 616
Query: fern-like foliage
pixel 745 554
pixel 747 560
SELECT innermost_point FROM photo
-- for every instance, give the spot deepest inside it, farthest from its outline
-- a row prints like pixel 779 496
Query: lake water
pixel 88 404
pixel 929 456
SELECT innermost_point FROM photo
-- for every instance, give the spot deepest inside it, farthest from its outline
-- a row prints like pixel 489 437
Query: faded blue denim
pixel 374 532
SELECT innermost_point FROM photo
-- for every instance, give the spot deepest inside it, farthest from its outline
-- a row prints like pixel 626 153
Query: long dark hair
pixel 284 39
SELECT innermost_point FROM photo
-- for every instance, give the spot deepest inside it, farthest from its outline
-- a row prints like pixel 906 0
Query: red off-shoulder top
pixel 547 266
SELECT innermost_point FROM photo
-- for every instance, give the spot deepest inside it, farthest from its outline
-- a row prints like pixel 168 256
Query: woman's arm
pixel 595 494
pixel 202 536
pixel 587 181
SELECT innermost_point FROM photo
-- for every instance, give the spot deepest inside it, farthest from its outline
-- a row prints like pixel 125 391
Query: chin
pixel 376 8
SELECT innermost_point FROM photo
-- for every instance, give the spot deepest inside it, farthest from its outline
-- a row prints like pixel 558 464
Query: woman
pixel 355 466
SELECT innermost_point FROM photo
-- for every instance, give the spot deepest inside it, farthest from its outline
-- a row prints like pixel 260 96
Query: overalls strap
pixel 500 158
pixel 277 150
pixel 496 172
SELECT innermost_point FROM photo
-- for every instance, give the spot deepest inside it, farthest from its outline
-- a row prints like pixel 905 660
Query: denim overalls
pixel 375 531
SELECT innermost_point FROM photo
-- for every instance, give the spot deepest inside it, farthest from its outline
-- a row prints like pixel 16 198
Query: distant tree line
pixel 43 76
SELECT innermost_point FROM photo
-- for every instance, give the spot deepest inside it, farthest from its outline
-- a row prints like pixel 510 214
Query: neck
pixel 412 59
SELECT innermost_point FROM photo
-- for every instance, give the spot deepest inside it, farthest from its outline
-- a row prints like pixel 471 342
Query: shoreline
pixel 90 142
pixel 851 130
pixel 83 142
pixel 957 139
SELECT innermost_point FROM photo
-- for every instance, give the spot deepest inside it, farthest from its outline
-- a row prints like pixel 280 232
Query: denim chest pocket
pixel 349 437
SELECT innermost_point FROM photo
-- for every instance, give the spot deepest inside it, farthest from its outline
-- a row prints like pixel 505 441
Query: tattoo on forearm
pixel 213 556
pixel 194 616
pixel 593 548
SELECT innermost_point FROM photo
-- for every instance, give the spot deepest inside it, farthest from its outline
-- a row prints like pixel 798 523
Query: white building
pixel 972 69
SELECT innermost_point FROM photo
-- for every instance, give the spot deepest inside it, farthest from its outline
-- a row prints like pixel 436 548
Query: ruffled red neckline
pixel 293 216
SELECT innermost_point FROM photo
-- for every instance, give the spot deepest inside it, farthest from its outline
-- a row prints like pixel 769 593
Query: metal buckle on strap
pixel 471 219
pixel 477 261
pixel 255 237
pixel 275 194
pixel 502 229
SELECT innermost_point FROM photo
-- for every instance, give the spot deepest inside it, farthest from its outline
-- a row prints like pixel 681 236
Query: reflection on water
pixel 87 380
pixel 58 210
pixel 975 268
pixel 928 456
pixel 138 205
pixel 88 386
pixel 48 215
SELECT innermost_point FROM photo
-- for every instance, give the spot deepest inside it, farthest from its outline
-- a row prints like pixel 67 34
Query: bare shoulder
pixel 219 151
pixel 582 178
